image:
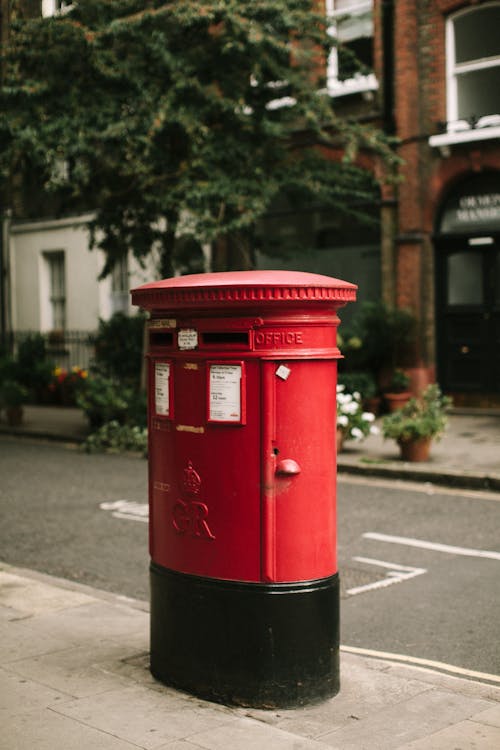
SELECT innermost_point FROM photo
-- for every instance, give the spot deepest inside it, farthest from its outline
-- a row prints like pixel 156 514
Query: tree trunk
pixel 166 265
pixel 233 252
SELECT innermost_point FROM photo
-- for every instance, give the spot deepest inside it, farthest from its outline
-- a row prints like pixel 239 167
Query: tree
pixel 182 117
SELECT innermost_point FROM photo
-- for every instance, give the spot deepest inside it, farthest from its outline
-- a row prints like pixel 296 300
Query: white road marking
pixel 435 546
pixel 397 573
pixel 427 664
pixel 128 510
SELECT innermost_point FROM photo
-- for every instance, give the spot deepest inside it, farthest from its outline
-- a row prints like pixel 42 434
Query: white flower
pixel 374 430
pixel 367 416
pixel 356 396
pixel 357 433
pixel 351 408
pixel 344 398
pixel 343 420
pixel 340 388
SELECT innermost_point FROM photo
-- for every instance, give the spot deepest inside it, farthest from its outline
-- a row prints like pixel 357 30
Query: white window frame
pixel 359 83
pixel 453 70
pixel 53 300
pixel 462 131
pixel 55 7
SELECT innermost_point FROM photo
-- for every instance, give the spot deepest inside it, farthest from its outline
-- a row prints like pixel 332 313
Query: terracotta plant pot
pixel 340 439
pixel 14 415
pixel 415 450
pixel 396 401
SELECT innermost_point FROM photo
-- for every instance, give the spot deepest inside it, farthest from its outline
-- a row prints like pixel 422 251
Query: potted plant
pixel 12 397
pixel 416 424
pixel 352 422
pixel 397 394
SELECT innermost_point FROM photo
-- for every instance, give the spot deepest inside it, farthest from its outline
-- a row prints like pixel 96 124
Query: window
pixel 119 286
pixel 473 62
pixel 55 264
pixel 55 7
pixel 465 279
pixel 351 61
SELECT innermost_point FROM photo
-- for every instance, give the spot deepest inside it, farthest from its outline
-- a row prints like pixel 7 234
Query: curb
pixel 445 477
pixel 41 435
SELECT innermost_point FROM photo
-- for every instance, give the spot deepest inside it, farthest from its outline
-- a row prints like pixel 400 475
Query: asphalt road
pixel 419 565
pixel 51 521
pixel 444 604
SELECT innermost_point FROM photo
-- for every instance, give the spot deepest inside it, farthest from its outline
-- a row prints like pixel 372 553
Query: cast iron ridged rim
pixel 180 297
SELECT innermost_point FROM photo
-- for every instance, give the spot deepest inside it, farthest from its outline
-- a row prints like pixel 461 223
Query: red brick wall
pixel 420 105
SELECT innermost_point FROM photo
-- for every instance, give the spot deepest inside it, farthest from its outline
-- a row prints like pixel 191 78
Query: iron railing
pixel 66 349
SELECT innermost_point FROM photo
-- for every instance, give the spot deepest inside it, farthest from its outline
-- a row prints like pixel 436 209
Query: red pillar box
pixel 242 412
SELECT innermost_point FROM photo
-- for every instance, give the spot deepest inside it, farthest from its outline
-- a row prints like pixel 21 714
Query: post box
pixel 242 484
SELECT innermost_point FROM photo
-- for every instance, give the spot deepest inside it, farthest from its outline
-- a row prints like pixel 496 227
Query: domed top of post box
pixel 208 290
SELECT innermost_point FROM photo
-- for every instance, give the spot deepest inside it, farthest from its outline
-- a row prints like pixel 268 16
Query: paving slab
pixel 151 718
pixel 466 735
pixel 19 695
pixel 415 718
pixel 28 597
pixel 46 730
pixel 19 640
pixel 77 623
pixel 247 734
pixel 359 698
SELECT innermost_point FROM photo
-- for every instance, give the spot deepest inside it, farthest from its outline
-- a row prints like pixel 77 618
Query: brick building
pixel 444 258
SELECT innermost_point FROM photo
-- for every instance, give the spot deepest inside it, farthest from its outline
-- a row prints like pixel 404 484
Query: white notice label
pixel 283 372
pixel 225 393
pixel 162 395
pixel 187 338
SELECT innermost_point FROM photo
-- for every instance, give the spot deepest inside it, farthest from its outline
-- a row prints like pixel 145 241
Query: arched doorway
pixel 467 247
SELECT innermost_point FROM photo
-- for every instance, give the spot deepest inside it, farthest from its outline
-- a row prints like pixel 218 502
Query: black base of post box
pixel 247 644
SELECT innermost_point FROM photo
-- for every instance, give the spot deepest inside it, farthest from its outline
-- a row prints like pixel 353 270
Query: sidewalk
pixel 74 674
pixel 468 456
pixel 50 423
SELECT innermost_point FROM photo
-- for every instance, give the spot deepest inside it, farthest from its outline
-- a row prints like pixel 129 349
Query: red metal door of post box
pixel 299 514
pixel 206 493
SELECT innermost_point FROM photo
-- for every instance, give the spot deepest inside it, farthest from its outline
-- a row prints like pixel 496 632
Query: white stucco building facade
pixel 53 282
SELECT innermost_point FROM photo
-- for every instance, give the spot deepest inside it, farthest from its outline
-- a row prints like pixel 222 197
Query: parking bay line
pixel 128 510
pixel 434 546
pixel 397 573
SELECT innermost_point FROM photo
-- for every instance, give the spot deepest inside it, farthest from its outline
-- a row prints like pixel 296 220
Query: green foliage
pixel 8 369
pixel 358 382
pixel 150 112
pixel 419 418
pixel 110 396
pixel 12 393
pixel 119 347
pixel 114 437
pixel 105 400
pixel 35 371
pixel 400 382
pixel 383 336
